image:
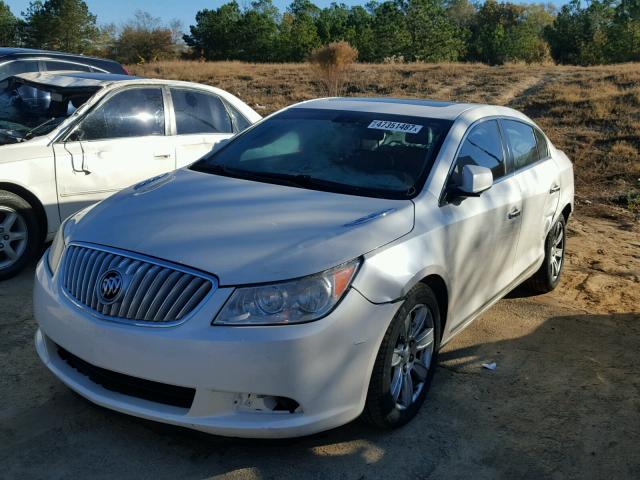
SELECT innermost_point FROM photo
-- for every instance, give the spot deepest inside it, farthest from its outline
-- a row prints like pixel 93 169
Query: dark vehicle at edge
pixel 14 61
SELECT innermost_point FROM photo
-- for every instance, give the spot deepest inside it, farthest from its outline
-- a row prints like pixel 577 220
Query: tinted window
pixel 483 147
pixel 136 112
pixel 55 65
pixel 523 143
pixel 198 112
pixel 360 153
pixel 15 68
pixel 543 147
pixel 241 122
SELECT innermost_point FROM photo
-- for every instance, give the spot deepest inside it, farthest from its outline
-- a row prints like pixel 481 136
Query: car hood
pixel 242 231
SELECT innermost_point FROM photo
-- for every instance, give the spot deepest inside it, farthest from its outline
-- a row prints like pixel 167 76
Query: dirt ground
pixel 564 401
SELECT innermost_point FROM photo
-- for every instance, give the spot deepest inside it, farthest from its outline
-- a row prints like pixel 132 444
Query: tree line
pixel 581 32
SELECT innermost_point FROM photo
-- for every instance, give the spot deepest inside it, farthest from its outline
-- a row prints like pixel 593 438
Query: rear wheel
pixel 548 276
pixel 405 363
pixel 19 234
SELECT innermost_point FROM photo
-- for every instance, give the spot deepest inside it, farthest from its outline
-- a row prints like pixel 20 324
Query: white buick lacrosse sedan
pixel 307 272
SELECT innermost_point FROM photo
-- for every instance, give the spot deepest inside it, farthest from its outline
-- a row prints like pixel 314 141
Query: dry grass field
pixel 592 113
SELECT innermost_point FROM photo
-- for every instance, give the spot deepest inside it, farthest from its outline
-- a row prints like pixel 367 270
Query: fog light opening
pixel 284 404
pixel 251 402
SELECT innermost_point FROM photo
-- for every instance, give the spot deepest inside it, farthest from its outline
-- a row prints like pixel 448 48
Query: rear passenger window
pixel 523 143
pixel 483 147
pixel 543 147
pixel 56 65
pixel 198 112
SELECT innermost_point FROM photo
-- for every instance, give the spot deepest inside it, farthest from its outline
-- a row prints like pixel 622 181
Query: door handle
pixel 554 189
pixel 514 213
pixel 162 155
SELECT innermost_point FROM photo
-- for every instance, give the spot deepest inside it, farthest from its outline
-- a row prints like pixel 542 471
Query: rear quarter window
pixel 522 142
pixel 543 145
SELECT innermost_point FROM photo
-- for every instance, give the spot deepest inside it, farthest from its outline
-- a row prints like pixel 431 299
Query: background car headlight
pixel 57 247
pixel 296 301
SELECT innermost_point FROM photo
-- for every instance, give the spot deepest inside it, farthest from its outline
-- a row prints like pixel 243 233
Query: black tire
pixel 10 202
pixel 381 409
pixel 546 279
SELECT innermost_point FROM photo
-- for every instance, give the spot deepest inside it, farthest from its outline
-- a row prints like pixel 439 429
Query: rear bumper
pixel 325 366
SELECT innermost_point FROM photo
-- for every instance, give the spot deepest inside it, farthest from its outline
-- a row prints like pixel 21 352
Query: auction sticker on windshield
pixel 395 126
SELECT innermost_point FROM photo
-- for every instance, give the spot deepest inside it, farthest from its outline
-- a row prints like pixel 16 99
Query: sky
pixel 119 11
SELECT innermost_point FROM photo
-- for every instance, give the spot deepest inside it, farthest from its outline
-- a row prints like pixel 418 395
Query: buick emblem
pixel 109 287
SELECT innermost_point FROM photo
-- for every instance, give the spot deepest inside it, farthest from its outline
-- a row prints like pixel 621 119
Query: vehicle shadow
pixel 562 400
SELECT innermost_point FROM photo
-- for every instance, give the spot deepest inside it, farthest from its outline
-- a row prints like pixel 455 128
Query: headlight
pixel 296 301
pixel 57 247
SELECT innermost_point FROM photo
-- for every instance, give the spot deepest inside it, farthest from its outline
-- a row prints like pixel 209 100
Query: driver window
pixel 483 147
pixel 137 112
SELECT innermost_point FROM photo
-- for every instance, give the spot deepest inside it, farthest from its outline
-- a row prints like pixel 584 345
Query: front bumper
pixel 325 365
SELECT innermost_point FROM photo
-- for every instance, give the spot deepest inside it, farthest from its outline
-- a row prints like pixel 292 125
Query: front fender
pixel 389 273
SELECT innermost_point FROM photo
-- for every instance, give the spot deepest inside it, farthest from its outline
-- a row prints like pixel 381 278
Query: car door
pixel 119 142
pixel 537 176
pixel 201 120
pixel 481 232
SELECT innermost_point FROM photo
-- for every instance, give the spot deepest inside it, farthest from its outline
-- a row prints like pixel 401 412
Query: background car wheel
pixel 19 234
pixel 405 363
pixel 548 276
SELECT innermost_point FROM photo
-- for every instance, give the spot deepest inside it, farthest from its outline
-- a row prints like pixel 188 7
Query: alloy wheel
pixel 14 236
pixel 412 356
pixel 557 250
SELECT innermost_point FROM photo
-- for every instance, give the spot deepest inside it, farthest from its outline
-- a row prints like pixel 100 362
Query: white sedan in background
pixel 306 272
pixel 68 140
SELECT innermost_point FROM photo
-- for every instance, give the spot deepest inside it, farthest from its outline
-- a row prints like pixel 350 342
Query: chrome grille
pixel 152 292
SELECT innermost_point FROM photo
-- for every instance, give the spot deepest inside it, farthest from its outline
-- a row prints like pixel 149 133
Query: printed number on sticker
pixel 395 126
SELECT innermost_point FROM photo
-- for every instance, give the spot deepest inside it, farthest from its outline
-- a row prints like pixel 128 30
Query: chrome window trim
pixel 143 258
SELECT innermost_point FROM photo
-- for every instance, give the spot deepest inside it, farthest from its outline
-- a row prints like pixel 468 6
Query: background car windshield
pixel 368 154
pixel 26 108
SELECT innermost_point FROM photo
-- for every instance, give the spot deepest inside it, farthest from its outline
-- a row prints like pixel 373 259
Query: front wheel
pixel 548 276
pixel 19 236
pixel 405 363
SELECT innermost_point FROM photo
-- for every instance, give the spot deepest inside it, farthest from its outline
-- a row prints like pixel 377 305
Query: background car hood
pixel 243 231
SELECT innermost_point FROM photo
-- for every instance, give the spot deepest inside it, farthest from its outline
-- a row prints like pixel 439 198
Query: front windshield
pixel 359 153
pixel 27 111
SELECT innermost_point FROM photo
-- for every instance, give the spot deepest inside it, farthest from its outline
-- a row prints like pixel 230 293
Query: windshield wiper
pixel 31 133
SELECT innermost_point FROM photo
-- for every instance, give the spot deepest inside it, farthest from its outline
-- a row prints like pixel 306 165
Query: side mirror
pixel 475 180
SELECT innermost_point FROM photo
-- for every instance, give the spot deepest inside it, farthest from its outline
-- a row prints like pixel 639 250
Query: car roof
pixel 15 52
pixel 400 106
